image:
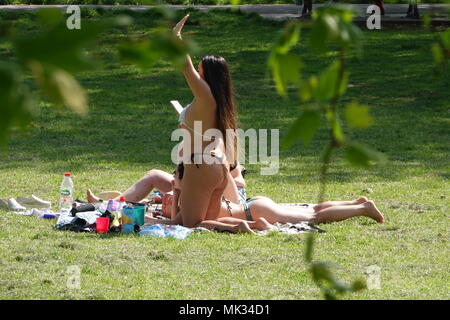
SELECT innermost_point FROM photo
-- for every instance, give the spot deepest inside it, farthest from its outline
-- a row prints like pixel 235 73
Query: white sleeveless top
pixel 182 121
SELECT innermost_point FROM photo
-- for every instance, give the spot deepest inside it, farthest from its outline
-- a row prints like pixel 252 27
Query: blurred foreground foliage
pixel 332 32
pixel 53 54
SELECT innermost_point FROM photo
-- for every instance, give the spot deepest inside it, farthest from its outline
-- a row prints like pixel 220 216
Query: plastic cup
pixel 128 228
pixel 127 215
pixel 139 215
pixel 101 225
pixel 112 205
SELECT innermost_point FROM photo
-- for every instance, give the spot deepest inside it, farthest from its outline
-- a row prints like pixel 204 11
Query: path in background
pixel 394 12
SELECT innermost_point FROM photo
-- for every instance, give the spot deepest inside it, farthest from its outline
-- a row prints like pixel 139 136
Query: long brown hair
pixel 218 77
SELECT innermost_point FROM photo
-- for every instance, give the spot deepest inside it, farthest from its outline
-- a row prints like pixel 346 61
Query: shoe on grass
pixel 14 205
pixel 33 202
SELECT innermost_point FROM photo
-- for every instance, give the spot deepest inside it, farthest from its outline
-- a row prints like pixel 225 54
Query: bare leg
pixel 241 227
pixel 153 179
pixel 91 197
pixel 269 210
pixel 328 204
pixel 198 186
pixel 259 223
pixel 339 213
pixel 273 213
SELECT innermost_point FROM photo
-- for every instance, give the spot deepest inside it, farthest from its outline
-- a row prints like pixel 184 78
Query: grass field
pixel 128 131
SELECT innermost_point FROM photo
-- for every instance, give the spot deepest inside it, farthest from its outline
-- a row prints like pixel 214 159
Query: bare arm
pixel 231 192
pixel 200 89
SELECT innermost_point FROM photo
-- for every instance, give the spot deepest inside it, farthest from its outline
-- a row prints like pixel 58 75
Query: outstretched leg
pixel 265 208
pixel 328 204
pixel 339 213
pixel 153 179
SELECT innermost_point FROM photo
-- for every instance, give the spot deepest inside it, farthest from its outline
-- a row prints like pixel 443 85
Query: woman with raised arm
pixel 207 167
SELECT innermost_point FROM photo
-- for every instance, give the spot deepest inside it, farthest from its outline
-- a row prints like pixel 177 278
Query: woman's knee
pixel 153 173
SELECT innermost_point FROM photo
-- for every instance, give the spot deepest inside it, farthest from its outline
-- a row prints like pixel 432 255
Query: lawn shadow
pixel 131 119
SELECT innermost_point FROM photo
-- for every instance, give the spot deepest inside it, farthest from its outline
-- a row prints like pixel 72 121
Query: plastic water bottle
pixel 122 204
pixel 66 193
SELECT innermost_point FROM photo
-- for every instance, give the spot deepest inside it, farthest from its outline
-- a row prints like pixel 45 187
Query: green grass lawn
pixel 127 132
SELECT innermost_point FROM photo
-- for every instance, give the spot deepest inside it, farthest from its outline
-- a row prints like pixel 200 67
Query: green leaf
pixel 332 25
pixel 62 48
pixel 358 116
pixel 344 83
pixel 445 37
pixel 361 155
pixel 358 285
pixel 309 247
pixel 308 88
pixel 426 20
pixel 339 286
pixel 138 52
pixel 338 135
pixel 335 125
pixel 284 66
pixel 327 82
pixel 61 87
pixel 438 55
pixel 304 128
pixel 321 272
pixel 287 39
pixel 329 295
pixel 285 69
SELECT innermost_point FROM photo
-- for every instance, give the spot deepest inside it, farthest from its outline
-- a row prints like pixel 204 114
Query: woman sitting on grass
pixel 162 181
pixel 261 212
pixel 207 171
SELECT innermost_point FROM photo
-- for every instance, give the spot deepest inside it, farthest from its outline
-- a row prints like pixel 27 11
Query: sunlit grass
pixel 127 132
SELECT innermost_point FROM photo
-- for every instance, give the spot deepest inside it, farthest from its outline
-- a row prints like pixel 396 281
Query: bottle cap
pixel 67 174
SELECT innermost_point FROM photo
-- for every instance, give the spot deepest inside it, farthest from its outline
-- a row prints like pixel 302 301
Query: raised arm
pixel 200 89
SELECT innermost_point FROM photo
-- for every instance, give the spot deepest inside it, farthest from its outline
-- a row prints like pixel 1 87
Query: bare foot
pixel 243 227
pixel 261 224
pixel 361 199
pixel 90 197
pixel 373 212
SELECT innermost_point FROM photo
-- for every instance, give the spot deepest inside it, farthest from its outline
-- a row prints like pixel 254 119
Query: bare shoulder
pixel 205 103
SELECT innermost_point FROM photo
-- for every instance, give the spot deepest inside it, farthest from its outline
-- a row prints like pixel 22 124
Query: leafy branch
pixel 55 54
pixel 319 96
